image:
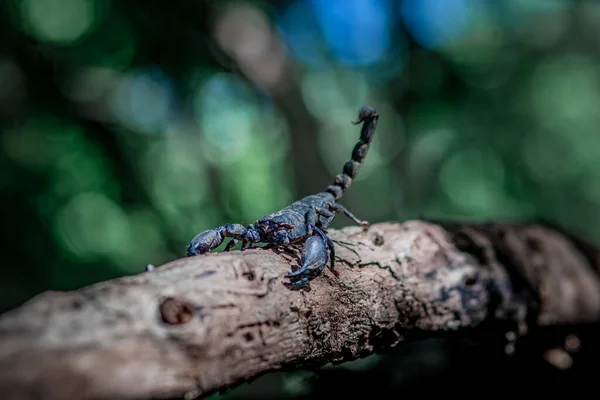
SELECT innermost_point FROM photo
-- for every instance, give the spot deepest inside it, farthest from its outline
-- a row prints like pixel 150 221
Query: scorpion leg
pixel 322 212
pixel 231 244
pixel 340 208
pixel 300 232
pixel 250 238
pixel 246 244
pixel 311 216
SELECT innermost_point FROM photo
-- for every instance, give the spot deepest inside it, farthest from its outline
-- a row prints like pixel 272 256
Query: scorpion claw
pixel 205 242
pixel 314 257
pixel 299 283
pixel 211 239
pixel 299 271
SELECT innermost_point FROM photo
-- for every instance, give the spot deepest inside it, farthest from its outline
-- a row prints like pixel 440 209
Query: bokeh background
pixel 128 127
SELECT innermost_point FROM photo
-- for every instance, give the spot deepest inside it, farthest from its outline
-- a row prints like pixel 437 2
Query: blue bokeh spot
pixel 357 31
pixel 435 23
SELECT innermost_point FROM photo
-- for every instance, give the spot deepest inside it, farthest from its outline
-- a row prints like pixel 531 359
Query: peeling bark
pixel 201 324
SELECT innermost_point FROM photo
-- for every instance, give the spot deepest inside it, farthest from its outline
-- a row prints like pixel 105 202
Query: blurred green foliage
pixel 128 127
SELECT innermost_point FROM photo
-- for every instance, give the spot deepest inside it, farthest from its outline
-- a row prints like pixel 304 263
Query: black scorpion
pixel 307 219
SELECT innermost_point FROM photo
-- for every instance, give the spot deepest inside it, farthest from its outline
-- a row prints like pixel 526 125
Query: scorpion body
pixel 304 220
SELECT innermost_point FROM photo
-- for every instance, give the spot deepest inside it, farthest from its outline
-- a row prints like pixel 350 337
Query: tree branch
pixel 201 324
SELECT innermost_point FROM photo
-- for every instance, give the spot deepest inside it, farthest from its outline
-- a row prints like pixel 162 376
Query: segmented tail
pixel 342 182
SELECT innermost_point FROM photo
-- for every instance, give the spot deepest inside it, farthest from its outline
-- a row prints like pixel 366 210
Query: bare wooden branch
pixel 201 324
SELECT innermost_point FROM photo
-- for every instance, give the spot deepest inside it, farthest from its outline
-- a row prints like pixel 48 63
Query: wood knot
pixel 176 311
pixel 378 240
pixel 470 280
pixel 249 275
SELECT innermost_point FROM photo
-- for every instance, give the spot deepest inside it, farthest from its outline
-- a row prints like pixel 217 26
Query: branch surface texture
pixel 201 324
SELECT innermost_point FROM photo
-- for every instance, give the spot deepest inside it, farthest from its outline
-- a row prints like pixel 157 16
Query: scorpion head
pixel 282 238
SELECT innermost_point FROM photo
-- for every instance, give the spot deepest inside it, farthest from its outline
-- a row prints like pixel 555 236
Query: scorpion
pixel 304 220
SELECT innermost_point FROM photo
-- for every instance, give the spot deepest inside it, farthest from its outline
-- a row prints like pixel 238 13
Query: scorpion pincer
pixel 305 220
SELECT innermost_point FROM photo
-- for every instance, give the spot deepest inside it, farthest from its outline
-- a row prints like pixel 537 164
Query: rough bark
pixel 201 324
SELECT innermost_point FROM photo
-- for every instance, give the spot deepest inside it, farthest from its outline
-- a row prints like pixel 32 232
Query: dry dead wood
pixel 196 325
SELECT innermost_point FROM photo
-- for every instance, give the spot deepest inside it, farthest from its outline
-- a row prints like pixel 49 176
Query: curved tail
pixel 342 182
